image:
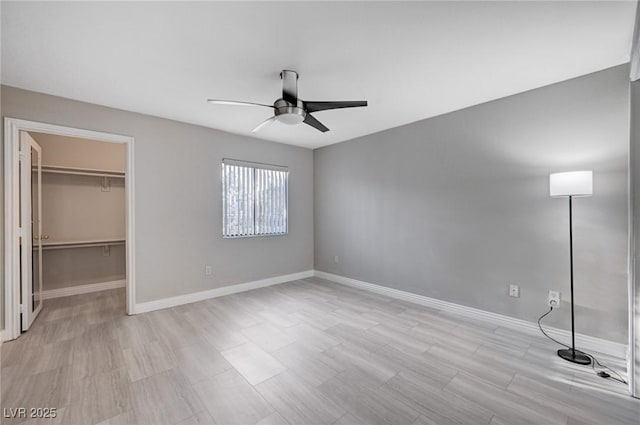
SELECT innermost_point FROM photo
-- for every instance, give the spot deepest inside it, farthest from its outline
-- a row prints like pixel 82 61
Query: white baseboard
pixel 83 289
pixel 585 342
pixel 218 292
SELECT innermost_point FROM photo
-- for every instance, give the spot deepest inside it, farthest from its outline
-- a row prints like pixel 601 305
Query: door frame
pixel 12 129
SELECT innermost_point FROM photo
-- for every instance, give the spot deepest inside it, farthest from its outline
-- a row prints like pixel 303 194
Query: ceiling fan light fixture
pixel 290 119
pixel 290 115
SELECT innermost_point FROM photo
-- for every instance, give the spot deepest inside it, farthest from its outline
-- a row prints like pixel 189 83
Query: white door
pixel 31 224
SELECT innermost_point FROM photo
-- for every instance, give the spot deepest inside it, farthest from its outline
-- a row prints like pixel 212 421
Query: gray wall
pixel 178 197
pixel 74 152
pixel 65 268
pixel 456 207
pixel 1 212
pixel 74 208
pixel 635 196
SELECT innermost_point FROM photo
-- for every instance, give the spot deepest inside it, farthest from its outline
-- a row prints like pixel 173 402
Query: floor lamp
pixel 569 185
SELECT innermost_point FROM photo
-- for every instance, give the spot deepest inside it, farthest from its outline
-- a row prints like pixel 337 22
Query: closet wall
pixel 83 215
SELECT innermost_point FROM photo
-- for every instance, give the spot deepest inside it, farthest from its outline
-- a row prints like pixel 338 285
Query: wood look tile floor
pixel 304 352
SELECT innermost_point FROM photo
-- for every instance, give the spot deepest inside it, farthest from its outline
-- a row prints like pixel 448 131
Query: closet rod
pixel 81 244
pixel 82 172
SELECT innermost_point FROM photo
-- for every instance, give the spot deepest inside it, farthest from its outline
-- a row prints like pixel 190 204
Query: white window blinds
pixel 254 199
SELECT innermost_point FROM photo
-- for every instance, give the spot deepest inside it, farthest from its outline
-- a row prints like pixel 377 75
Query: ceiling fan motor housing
pixel 290 114
pixel 289 109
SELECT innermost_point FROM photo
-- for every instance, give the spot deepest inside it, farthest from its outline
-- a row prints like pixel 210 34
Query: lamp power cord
pixel 594 360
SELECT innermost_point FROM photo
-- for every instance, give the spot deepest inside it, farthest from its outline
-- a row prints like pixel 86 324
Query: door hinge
pixel 21 156
pixel 21 308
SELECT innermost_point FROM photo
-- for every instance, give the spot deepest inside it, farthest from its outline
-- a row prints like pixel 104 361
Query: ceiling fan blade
pixel 310 120
pixel 263 124
pixel 323 106
pixel 235 103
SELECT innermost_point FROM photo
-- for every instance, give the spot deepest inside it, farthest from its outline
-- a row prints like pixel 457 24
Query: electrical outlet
pixel 514 291
pixel 336 259
pixel 553 300
pixel 208 271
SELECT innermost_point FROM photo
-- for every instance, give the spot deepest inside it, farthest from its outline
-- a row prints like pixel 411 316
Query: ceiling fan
pixel 291 110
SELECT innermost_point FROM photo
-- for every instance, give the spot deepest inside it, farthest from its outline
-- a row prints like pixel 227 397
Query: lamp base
pixel 574 356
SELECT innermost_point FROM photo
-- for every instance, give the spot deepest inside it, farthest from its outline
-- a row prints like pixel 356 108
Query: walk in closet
pixel 83 215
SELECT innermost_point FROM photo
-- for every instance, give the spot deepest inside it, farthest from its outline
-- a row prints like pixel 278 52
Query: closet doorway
pixel 69 217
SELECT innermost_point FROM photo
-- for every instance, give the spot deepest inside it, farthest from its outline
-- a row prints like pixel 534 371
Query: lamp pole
pixel 573 355
pixel 573 333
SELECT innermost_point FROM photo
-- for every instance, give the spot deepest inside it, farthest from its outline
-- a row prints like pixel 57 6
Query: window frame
pixel 254 166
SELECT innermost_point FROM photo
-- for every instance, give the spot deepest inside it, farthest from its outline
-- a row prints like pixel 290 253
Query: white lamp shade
pixel 573 183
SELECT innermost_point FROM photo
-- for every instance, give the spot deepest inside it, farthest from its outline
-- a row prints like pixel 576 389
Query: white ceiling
pixel 410 60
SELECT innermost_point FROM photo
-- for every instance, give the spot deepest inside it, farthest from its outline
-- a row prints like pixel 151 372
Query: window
pixel 254 199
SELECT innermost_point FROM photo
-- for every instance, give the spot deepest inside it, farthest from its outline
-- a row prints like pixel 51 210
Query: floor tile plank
pixel 255 364
pixel 298 402
pixel 230 399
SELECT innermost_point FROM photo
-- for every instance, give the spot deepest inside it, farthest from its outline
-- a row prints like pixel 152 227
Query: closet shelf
pixel 82 171
pixel 80 244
